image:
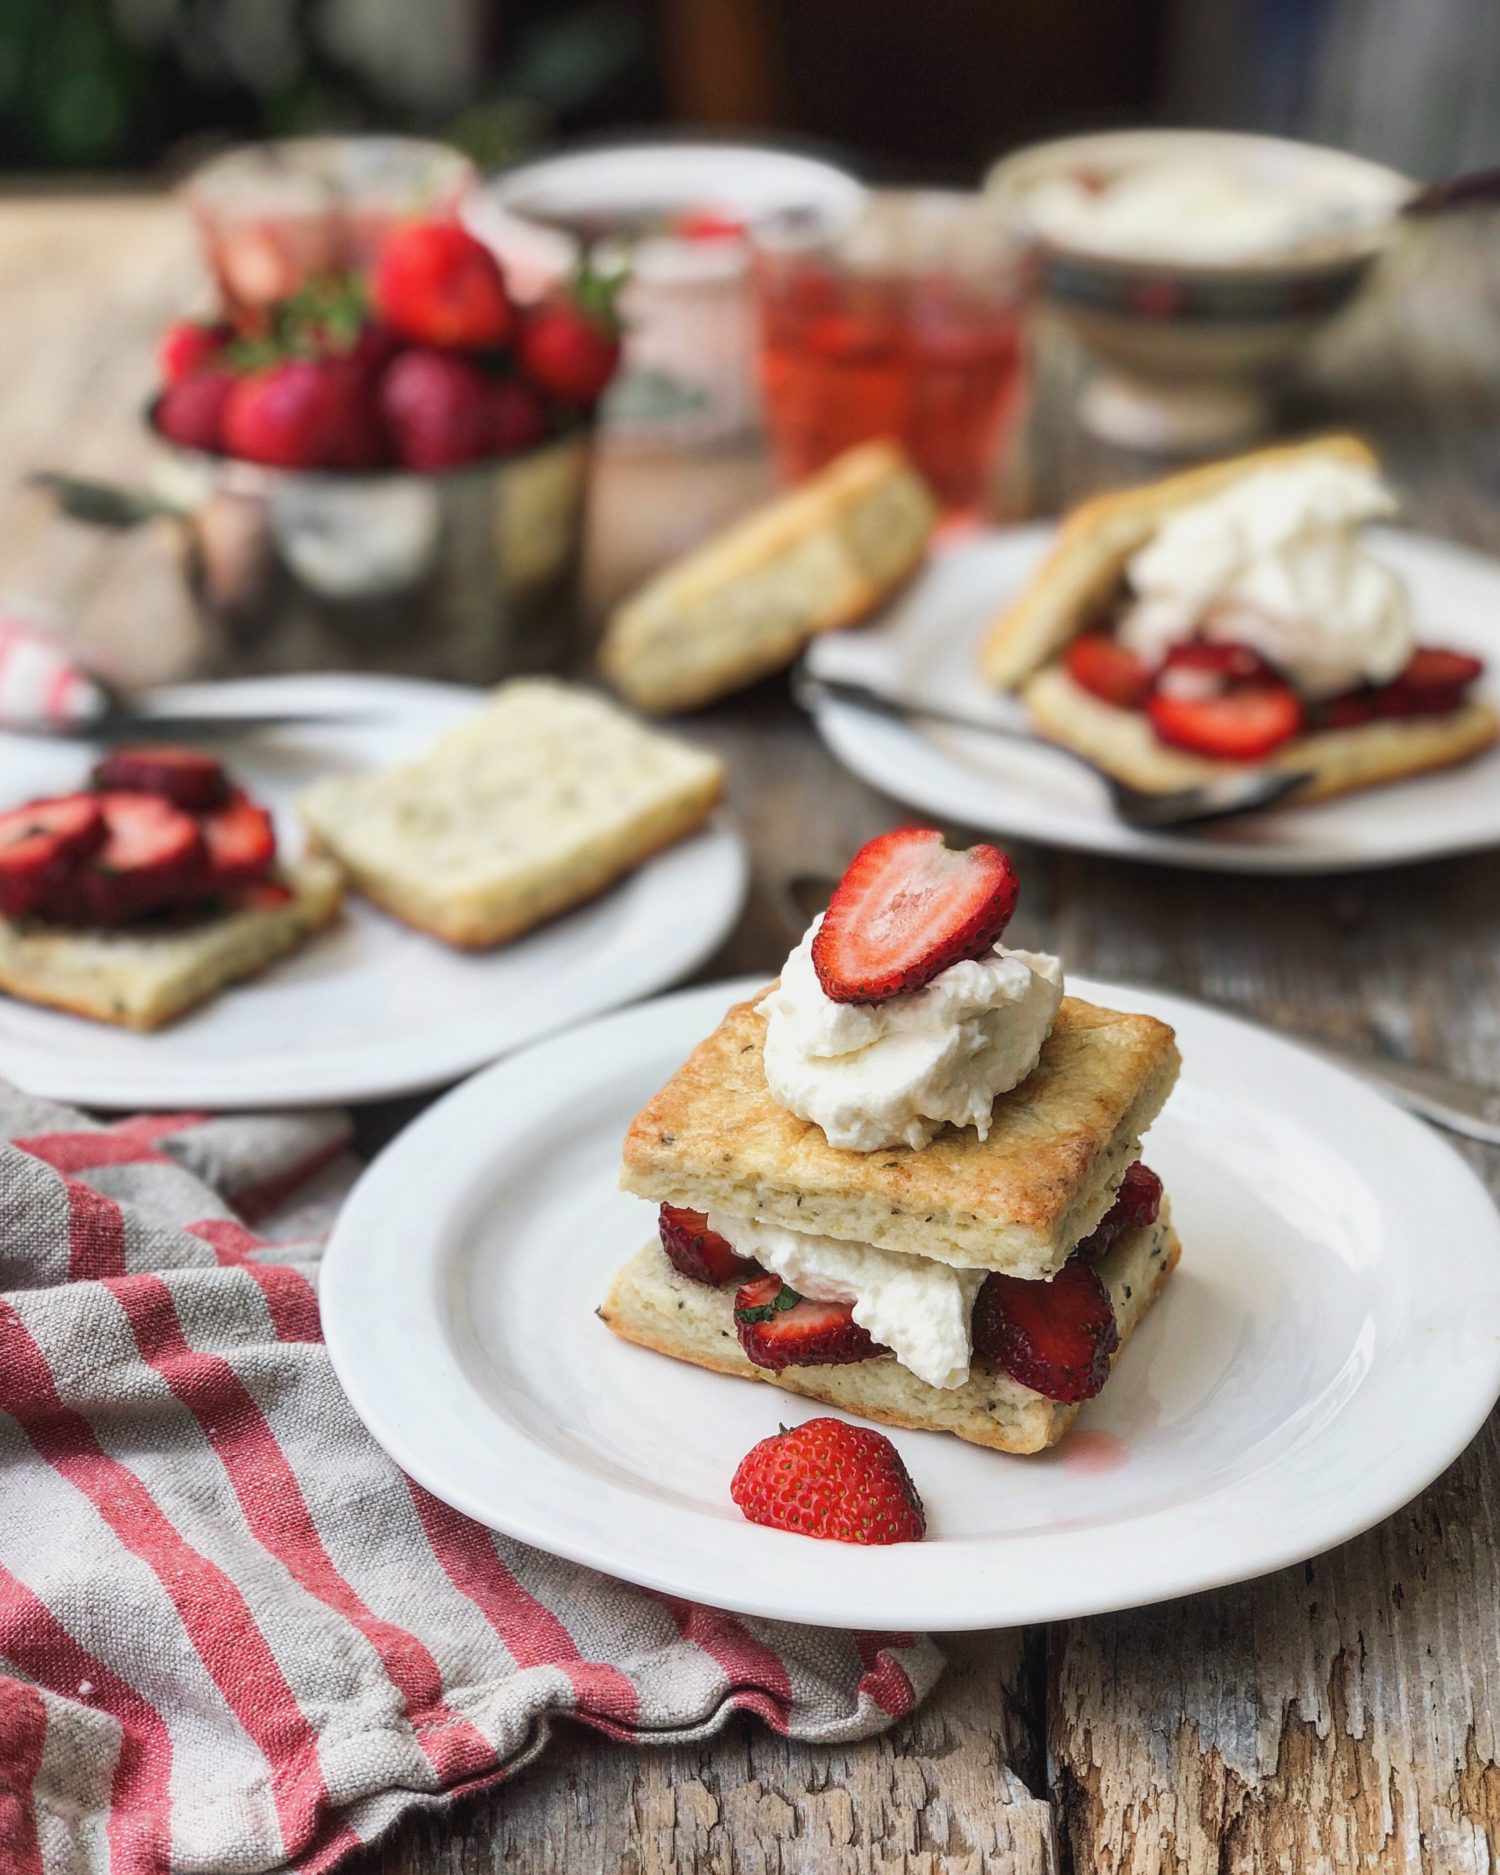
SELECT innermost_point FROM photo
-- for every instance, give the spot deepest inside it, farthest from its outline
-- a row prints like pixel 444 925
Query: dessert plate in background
pixel 1326 1347
pixel 369 1008
pixel 927 645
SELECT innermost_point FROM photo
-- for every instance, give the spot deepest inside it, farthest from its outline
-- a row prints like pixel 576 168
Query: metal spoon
pixel 1219 799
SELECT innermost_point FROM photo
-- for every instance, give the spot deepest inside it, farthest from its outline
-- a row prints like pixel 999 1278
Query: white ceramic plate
pixel 369 1008
pixel 1326 1348
pixel 927 645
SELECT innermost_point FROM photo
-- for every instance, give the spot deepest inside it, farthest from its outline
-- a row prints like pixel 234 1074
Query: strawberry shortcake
pixel 138 898
pixel 1233 615
pixel 907 1180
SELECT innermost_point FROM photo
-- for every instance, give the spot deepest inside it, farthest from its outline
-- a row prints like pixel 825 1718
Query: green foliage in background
pixel 100 84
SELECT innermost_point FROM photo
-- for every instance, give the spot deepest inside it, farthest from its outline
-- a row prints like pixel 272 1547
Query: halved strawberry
pixel 1222 701
pixel 1055 1337
pixel 152 857
pixel 38 841
pixel 1137 1202
pixel 1104 667
pixel 907 908
pixel 778 1328
pixel 241 840
pixel 186 777
pixel 698 1252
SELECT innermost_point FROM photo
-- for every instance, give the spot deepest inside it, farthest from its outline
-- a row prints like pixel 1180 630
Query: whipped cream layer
pixel 1198 213
pixel 1274 561
pixel 919 1309
pixel 894 1073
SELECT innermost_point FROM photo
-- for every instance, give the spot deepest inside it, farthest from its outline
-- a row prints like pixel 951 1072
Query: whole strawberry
pixel 305 413
pixel 828 1479
pixel 438 409
pixel 518 417
pixel 187 346
pixel 191 412
pixel 569 351
pixel 436 285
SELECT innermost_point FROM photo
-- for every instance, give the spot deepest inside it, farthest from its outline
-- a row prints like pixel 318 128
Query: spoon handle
pixel 1472 189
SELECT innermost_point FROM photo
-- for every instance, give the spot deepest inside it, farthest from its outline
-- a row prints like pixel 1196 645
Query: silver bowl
pixel 465 574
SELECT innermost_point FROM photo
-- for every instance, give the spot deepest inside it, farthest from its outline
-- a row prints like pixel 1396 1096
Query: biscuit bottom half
pixel 1123 743
pixel 650 1303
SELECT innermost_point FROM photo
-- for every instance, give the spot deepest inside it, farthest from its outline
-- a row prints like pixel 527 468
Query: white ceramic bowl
pixel 690 358
pixel 1188 351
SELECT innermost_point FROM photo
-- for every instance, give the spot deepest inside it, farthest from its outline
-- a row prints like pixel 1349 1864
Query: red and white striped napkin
pixel 233 1636
pixel 42 683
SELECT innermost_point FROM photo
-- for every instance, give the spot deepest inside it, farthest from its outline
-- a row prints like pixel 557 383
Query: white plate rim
pixel 717 851
pixel 937 788
pixel 929 1585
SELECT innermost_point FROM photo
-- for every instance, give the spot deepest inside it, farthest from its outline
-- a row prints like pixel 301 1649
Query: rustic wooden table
pixel 1335 1716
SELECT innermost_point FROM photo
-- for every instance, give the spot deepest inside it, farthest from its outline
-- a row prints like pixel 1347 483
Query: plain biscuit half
pixel 542 800
pixel 746 604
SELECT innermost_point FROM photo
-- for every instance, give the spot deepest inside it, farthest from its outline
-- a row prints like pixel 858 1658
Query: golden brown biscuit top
pixel 715 1138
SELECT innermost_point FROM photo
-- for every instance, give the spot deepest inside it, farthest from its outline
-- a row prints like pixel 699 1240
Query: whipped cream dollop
pixel 919 1309
pixel 1199 213
pixel 893 1073
pixel 1274 561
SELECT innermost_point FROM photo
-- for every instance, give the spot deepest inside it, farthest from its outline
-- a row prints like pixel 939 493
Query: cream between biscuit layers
pixel 877 1075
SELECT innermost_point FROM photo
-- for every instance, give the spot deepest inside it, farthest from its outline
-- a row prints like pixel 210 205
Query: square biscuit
pixel 715 1139
pixel 650 1304
pixel 544 798
pixel 820 557
pixel 144 976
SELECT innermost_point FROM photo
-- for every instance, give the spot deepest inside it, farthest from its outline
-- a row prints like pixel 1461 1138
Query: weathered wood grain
pixel 1339 1715
pixel 944 1791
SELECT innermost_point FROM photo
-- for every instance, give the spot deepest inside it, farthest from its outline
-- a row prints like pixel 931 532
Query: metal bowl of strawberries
pixel 388 471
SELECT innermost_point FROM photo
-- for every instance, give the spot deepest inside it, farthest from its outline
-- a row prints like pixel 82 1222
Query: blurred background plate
pixel 927 645
pixel 370 1008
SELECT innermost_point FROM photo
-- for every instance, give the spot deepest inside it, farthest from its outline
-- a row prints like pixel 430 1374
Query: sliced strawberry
pixel 39 842
pixel 1055 1337
pixel 1432 667
pixel 1434 682
pixel 152 857
pixel 241 840
pixel 1351 708
pixel 1239 725
pixel 778 1328
pixel 1104 667
pixel 1200 668
pixel 907 908
pixel 186 777
pixel 259 895
pixel 1137 1202
pixel 698 1252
